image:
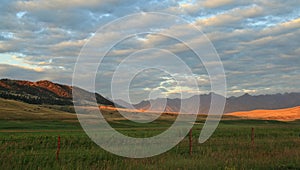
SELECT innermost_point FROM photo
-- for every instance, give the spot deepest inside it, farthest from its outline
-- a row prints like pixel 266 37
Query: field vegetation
pixel 30 142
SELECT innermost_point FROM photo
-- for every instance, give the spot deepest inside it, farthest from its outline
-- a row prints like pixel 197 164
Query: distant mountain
pixel 233 104
pixel 166 105
pixel 247 102
pixel 123 104
pixel 173 105
pixel 46 92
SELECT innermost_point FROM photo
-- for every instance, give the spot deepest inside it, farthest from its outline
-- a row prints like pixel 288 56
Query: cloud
pixel 216 3
pixel 23 73
pixel 256 40
pixel 230 17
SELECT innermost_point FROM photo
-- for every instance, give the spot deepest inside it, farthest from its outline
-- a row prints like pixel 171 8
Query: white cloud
pixel 216 3
pixel 256 40
pixel 232 16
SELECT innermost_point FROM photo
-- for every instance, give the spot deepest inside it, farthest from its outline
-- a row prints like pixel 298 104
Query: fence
pixel 57 143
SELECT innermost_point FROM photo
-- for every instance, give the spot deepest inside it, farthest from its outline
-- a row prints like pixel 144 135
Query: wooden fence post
pixel 58 148
pixel 190 141
pixel 252 137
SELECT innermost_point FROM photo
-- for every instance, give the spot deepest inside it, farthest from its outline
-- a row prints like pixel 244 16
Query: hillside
pixel 45 92
pixel 17 110
pixel 49 93
pixel 289 114
pixel 10 109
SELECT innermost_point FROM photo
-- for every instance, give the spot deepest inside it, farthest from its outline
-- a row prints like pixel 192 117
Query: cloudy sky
pixel 257 41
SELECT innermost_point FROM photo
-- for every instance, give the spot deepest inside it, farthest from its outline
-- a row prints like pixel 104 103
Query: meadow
pixel 29 136
pixel 32 144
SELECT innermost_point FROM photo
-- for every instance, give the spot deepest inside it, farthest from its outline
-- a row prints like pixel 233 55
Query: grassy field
pixel 32 144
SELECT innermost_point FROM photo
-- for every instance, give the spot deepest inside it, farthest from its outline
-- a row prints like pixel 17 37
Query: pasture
pixel 32 144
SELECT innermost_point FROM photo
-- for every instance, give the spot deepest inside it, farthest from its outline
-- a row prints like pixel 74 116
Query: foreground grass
pixel 32 145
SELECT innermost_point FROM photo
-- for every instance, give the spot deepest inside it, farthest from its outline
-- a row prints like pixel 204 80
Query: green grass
pixel 32 145
pixel 28 140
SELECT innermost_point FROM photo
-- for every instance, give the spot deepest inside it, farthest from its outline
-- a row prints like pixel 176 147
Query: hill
pixel 17 110
pixel 289 114
pixel 45 92
pixel 11 110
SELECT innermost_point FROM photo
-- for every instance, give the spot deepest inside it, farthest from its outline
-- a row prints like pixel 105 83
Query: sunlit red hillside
pixel 288 114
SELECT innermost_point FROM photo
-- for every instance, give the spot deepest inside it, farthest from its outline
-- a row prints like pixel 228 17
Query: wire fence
pixel 62 145
pixel 57 145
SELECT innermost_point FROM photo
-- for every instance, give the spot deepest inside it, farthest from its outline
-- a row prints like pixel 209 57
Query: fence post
pixel 58 148
pixel 252 137
pixel 190 141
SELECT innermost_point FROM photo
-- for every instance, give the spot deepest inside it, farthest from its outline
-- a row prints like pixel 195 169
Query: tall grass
pixel 277 146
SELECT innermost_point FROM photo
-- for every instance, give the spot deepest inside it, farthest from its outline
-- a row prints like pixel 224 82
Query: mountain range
pixel 47 92
pixel 245 102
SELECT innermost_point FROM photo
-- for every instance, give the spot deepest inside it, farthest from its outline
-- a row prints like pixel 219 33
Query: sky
pixel 257 41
